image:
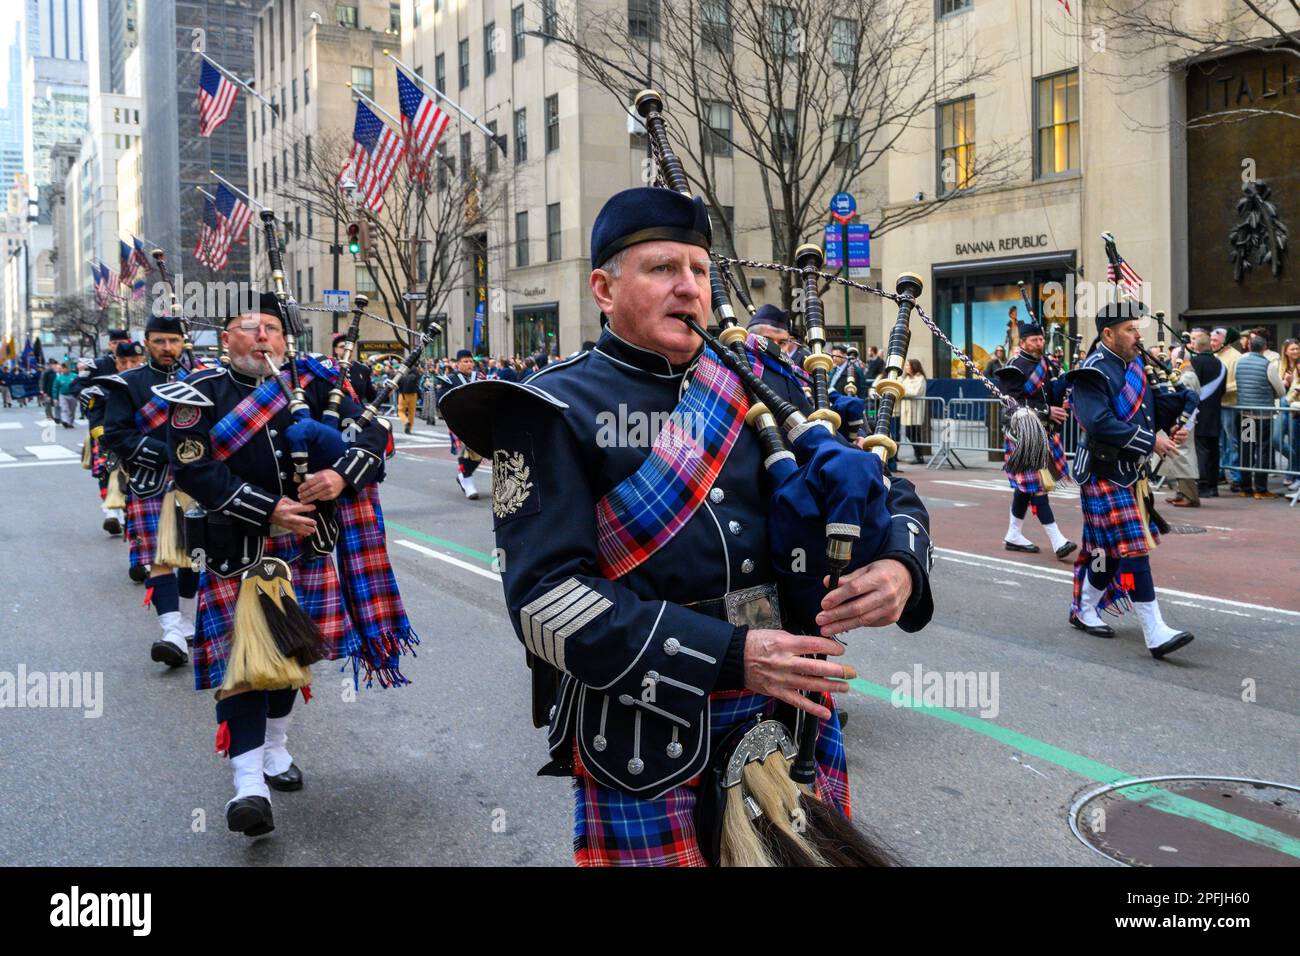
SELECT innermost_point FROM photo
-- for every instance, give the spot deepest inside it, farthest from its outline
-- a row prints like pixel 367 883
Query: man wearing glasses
pixel 230 452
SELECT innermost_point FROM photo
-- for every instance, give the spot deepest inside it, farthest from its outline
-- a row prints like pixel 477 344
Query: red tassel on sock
pixel 223 739
pixel 148 596
pixel 306 693
pixel 1126 582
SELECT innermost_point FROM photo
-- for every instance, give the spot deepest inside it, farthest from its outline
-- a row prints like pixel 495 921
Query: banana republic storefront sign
pixel 1005 244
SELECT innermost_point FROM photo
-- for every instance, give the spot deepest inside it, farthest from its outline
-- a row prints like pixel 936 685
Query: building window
pixel 489 49
pixel 945 7
pixel 297 281
pixel 844 41
pixel 784 133
pixel 521 136
pixel 440 72
pixel 345 14
pixel 550 20
pixel 721 242
pixel 363 80
pixel 783 31
pixel 306 153
pixel 643 19
pixel 306 87
pixel 847 149
pixel 295 94
pixel 462 53
pixel 442 162
pixel 717 128
pixel 517 33
pixel 956 145
pixel 465 154
pixel 521 239
pixel 365 282
pixel 395 17
pixel 715 25
pixel 295 159
pixel 492 149
pixel 1057 107
pixel 552 123
pixel 309 221
pixel 553 232
pixel 422 263
pixel 255 189
pixel 311 283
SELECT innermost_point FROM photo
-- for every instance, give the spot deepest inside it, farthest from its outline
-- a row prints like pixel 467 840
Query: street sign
pixel 843 207
pixel 414 296
pixel 338 300
pixel 859 235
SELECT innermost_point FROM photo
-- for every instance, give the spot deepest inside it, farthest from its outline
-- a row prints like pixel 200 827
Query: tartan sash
pixel 237 427
pixel 646 510
pixel 1034 380
pixel 1130 398
pixel 154 412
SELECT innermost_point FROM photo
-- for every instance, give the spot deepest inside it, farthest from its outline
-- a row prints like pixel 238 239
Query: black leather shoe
pixel 165 652
pixel 291 779
pixel 112 525
pixel 1066 549
pixel 139 575
pixel 1096 630
pixel 1181 639
pixel 1026 548
pixel 250 816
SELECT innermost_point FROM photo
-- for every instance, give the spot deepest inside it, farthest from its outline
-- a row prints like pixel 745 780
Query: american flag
pixel 376 150
pixel 105 284
pixel 236 213
pixel 214 239
pixel 127 263
pixel 1119 271
pixel 1065 3
pixel 216 97
pixel 422 124
pixel 141 256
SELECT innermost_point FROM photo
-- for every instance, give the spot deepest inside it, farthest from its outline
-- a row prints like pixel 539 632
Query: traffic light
pixel 354 238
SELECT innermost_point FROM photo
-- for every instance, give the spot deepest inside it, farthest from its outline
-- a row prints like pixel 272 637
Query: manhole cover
pixel 1191 821
pixel 1186 529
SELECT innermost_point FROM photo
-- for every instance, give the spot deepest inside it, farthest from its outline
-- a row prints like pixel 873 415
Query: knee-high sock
pixel 244 718
pixel 1043 509
pixel 1019 504
pixel 166 596
pixel 187 582
pixel 280 702
pixel 1135 577
pixel 467 466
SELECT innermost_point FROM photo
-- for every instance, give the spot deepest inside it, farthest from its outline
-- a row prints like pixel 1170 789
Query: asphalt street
pixel 443 771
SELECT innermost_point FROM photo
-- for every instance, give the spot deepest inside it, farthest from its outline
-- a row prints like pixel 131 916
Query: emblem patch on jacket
pixel 186 416
pixel 512 489
pixel 190 451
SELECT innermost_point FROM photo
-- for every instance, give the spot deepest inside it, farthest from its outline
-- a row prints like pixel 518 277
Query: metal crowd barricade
pixel 1265 440
pixel 429 405
pixel 921 420
pixel 971 425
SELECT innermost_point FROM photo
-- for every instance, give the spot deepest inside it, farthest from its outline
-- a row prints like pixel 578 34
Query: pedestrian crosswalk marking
pixel 4 457
pixel 50 452
pixel 995 484
pixel 9 425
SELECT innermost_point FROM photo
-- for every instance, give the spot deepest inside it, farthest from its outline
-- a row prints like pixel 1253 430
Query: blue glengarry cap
pixel 647 214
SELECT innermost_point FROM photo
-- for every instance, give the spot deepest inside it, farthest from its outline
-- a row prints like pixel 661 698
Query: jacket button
pixel 598 743
pixel 747 566
pixel 735 527
pixel 237 501
pixel 635 765
pixel 274 432
pixel 674 750
pixel 913 527
pixel 672 646
pixel 278 453
pixel 284 475
pixel 716 496
pixel 652 675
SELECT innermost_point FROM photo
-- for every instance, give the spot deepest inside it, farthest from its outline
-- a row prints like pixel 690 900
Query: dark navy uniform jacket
pixel 241 492
pixel 636 665
pixel 1012 377
pixel 144 455
pixel 363 383
pixel 1095 384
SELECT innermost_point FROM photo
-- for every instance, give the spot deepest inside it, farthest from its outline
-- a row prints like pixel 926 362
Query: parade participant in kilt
pixel 636 565
pixel 1120 417
pixel 467 461
pixel 231 452
pixel 135 431
pixel 361 383
pixel 1035 381
pixel 93 400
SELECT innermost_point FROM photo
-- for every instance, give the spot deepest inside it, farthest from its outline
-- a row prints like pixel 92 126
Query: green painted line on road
pixel 1075 763
pixel 1101 773
pixel 441 542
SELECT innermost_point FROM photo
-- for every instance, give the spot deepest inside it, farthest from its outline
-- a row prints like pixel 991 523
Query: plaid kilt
pixel 1031 482
pixel 612 828
pixel 370 592
pixel 1110 523
pixel 142 527
pixel 317 588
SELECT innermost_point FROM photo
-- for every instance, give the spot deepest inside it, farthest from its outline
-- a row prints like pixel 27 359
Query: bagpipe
pixel 828 516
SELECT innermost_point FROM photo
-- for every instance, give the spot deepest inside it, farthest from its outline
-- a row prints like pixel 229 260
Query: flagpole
pixel 229 185
pixel 442 96
pixel 366 99
pixel 233 78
